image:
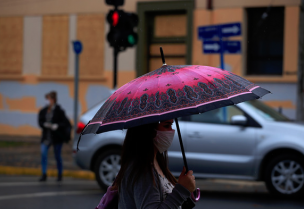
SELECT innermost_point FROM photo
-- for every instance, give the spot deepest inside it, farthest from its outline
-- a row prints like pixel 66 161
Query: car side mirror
pixel 239 120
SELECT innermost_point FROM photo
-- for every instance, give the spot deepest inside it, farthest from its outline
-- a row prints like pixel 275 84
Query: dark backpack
pixel 64 132
pixel 67 130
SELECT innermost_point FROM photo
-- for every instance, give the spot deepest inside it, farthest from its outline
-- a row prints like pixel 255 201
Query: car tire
pixel 284 175
pixel 106 168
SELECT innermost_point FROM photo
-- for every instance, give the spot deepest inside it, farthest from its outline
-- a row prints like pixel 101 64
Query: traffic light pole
pixel 121 34
pixel 116 50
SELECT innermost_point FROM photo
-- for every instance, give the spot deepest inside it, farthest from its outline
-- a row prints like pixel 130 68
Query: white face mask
pixel 163 140
pixel 47 102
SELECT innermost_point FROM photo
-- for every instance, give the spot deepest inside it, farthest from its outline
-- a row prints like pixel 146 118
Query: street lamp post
pixel 77 46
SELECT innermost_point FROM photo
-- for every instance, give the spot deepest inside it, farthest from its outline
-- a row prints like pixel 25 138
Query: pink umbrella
pixel 172 91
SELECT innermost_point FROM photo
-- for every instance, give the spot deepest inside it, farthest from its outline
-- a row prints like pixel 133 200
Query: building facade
pixel 36 54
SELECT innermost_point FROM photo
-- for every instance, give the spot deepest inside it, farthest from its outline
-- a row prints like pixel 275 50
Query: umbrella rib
pixel 213 85
pixel 121 90
pixel 125 88
pixel 232 79
pixel 228 76
pixel 203 77
pixel 137 90
pixel 158 93
pixel 196 106
pixel 207 80
pixel 200 75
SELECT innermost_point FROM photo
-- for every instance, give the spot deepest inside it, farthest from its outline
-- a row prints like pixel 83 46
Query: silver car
pixel 248 141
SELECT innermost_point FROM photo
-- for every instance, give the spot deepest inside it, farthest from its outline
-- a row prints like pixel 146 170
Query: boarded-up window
pixel 55 45
pixel 169 31
pixel 90 31
pixel 170 25
pixel 11 45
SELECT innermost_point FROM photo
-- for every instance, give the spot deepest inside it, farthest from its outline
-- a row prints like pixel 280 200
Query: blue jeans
pixel 44 156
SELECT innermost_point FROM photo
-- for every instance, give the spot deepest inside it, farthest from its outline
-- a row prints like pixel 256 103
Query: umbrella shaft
pixel 181 144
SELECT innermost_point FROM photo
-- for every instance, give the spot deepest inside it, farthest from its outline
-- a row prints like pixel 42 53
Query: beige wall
pixel 291 41
pixel 72 37
pixel 43 7
pixel 39 7
pixel 217 4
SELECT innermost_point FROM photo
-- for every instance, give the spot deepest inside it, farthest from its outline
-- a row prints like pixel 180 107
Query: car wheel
pixel 285 175
pixel 106 168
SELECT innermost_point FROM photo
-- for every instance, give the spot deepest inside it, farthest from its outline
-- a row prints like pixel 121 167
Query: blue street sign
pixel 208 32
pixel 233 29
pixel 225 30
pixel 212 47
pixel 232 47
pixel 77 46
pixel 215 47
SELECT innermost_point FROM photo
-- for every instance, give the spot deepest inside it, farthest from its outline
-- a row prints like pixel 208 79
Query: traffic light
pixel 122 26
pixel 115 2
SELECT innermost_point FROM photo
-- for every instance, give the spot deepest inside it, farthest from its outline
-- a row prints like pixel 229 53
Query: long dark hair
pixel 138 155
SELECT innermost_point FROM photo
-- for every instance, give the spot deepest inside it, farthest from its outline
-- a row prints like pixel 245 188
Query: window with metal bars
pixel 265 37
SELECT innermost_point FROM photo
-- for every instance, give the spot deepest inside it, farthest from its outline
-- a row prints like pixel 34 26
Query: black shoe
pixel 43 177
pixel 59 178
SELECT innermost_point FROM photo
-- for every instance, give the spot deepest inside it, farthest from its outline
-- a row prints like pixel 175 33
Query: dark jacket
pixel 147 195
pixel 59 135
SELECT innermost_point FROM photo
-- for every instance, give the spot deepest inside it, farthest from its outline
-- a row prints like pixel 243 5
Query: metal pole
pixel 76 79
pixel 181 145
pixel 300 86
pixel 116 50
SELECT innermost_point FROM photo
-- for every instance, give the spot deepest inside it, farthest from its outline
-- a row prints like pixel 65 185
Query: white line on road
pixel 46 183
pixel 47 194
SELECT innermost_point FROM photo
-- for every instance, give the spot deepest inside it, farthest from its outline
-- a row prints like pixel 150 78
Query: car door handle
pixel 195 135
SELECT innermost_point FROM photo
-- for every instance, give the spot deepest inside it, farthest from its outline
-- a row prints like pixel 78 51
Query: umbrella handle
pixel 181 144
pixel 196 195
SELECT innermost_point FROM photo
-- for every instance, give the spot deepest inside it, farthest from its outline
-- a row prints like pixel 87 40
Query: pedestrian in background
pixel 55 127
pixel 144 180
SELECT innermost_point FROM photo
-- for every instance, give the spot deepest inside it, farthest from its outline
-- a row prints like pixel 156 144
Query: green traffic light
pixel 131 39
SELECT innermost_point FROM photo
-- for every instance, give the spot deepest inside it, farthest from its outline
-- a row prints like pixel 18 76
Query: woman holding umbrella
pixel 171 91
pixel 144 180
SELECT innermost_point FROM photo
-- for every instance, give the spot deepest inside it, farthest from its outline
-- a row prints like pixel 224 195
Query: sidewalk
pixel 21 156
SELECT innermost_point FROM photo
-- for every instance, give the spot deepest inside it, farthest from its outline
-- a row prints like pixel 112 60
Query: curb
pixel 9 170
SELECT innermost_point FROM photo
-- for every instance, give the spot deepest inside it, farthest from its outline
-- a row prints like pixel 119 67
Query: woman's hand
pixel 47 125
pixel 187 180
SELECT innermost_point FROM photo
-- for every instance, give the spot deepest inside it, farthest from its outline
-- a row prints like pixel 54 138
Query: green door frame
pixel 144 9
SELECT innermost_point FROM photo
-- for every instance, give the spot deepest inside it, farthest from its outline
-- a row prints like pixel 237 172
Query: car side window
pixel 218 116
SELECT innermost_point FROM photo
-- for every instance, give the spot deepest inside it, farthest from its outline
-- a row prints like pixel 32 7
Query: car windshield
pixel 266 112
